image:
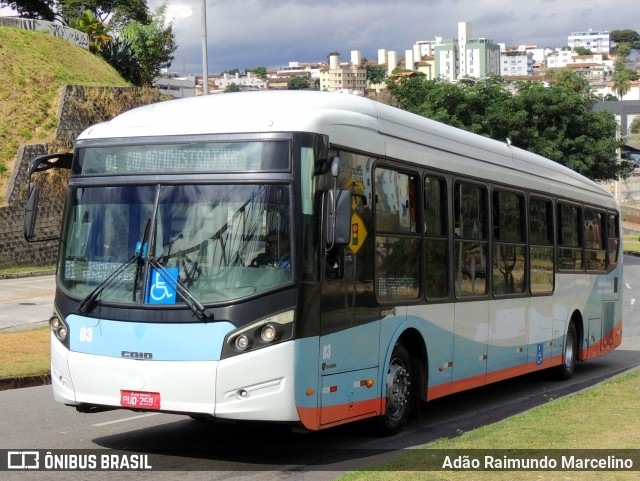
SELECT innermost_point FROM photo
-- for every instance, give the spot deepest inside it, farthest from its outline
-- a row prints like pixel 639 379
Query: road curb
pixel 38 273
pixel 20 382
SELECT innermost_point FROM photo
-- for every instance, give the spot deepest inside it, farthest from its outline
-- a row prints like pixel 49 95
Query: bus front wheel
pixel 397 391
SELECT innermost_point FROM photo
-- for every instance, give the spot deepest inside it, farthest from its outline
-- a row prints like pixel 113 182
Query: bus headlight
pixel 58 327
pixel 269 333
pixel 262 333
pixel 242 343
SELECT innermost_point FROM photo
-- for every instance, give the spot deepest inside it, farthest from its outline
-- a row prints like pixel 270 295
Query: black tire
pixel 397 391
pixel 569 354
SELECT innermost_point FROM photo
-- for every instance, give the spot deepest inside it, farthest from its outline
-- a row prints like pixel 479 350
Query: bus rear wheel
pixel 569 354
pixel 397 391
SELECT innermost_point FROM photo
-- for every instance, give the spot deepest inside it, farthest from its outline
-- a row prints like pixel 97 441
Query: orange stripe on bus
pixel 311 417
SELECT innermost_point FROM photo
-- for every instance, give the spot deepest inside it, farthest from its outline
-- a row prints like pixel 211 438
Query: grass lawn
pixel 631 243
pixel 25 353
pixel 603 417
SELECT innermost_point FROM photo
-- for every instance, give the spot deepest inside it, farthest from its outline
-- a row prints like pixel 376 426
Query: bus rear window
pixel 183 157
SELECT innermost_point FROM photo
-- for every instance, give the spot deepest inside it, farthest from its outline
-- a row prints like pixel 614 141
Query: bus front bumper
pixel 254 386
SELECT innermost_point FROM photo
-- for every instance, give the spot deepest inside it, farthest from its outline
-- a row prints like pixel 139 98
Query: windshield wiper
pixel 201 312
pixel 87 304
pixel 141 250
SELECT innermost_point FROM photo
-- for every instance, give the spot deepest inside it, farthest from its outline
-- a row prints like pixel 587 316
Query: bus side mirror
pixel 31 212
pixel 37 166
pixel 338 207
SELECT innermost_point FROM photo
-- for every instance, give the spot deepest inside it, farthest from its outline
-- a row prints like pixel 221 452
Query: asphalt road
pixel 26 302
pixel 267 452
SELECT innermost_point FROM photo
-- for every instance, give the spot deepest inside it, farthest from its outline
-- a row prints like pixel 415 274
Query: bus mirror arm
pixel 50 161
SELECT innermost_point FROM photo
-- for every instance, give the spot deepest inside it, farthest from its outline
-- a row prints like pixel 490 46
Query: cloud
pixel 179 11
pixel 250 33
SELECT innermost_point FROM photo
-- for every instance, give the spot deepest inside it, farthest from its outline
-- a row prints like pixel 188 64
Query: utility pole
pixel 205 66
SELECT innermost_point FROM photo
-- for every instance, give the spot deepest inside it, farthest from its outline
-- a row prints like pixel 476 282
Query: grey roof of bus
pixel 349 120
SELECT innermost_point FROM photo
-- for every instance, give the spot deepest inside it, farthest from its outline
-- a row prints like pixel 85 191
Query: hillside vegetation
pixel 33 67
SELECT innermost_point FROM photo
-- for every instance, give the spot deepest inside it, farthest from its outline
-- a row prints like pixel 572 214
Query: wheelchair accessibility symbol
pixel 162 290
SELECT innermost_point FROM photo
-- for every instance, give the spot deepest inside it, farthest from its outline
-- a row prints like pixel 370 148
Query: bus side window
pixel 471 244
pixel 397 264
pixel 436 255
pixel 509 246
pixel 542 267
pixel 595 251
pixel 569 238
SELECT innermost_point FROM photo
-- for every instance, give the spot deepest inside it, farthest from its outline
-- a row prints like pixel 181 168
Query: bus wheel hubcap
pixel 397 388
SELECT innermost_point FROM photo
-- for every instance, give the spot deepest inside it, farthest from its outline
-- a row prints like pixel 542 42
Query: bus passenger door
pixel 349 321
pixel 348 357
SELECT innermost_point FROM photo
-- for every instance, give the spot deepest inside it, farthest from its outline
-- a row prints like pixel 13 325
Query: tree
pixel 259 71
pixel 152 44
pixel 120 55
pixel 582 51
pixel 625 36
pixel 97 31
pixel 38 9
pixel 621 81
pixel 376 74
pixel 298 82
pixel 622 52
pixel 634 128
pixel 568 78
pixel 232 87
pixel 556 122
pixel 113 12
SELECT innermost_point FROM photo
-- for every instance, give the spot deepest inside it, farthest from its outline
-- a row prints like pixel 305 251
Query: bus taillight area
pixel 255 386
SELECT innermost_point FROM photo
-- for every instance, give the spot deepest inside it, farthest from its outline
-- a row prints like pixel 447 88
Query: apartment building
pixel 466 56
pixel 516 63
pixel 560 58
pixel 248 81
pixel 312 70
pixel 596 41
pixel 388 58
pixel 345 76
pixel 179 87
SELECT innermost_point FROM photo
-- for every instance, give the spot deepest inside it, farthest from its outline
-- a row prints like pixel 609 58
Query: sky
pixel 271 33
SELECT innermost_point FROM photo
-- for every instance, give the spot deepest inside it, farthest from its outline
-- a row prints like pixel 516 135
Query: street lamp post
pixel 205 66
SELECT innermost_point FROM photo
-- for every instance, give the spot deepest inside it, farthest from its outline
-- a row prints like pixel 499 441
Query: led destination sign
pixel 181 158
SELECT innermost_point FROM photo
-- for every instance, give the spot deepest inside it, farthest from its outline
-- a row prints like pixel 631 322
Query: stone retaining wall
pixel 79 107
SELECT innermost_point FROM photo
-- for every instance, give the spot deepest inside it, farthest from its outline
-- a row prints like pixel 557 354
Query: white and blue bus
pixel 316 258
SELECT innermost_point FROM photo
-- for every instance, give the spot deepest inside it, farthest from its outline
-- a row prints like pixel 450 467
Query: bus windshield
pixel 221 242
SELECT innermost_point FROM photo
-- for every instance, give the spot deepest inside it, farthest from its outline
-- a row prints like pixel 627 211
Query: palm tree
pixel 96 30
pixel 621 81
pixel 568 78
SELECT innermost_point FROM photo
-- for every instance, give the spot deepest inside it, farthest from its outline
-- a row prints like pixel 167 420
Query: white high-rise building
pixel 466 56
pixel 597 42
